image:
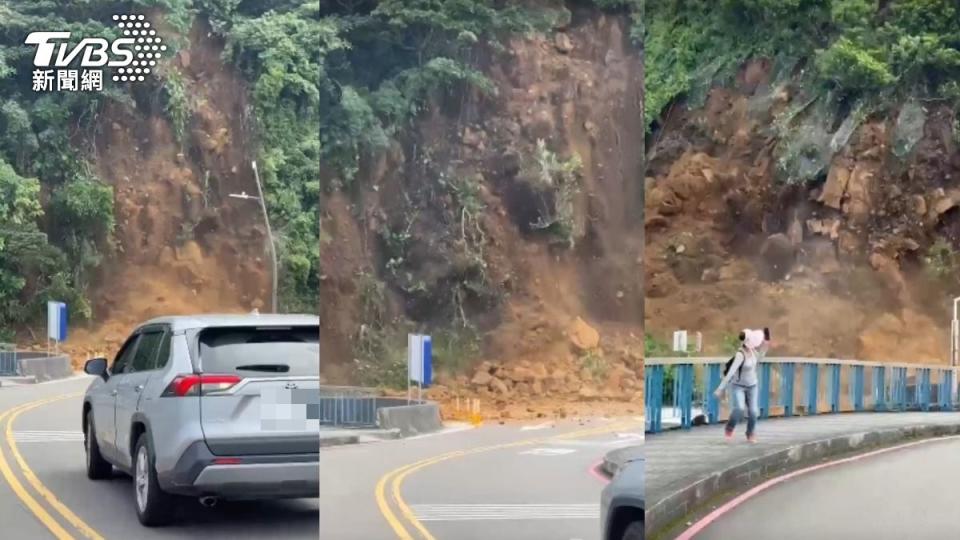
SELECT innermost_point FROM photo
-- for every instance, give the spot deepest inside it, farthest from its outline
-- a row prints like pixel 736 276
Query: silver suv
pixel 211 406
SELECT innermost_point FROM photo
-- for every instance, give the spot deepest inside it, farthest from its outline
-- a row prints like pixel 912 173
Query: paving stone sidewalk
pixel 678 459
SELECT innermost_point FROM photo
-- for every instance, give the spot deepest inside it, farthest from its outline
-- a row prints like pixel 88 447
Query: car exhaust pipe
pixel 209 502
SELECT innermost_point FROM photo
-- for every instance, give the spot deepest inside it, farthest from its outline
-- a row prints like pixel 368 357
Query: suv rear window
pixel 261 352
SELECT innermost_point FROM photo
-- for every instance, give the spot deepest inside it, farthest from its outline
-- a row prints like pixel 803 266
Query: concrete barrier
pixel 414 419
pixel 43 367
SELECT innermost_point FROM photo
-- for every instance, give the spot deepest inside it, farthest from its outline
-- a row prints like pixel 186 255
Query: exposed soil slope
pixel 182 245
pixel 579 90
pixel 835 268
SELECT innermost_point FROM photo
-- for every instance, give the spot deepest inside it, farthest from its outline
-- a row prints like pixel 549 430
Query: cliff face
pixel 182 245
pixel 857 263
pixel 497 222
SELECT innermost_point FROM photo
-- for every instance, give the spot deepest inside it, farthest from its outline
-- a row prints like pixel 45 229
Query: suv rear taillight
pixel 194 385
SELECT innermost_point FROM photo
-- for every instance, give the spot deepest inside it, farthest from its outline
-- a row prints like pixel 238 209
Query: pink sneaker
pixel 752 439
pixel 728 434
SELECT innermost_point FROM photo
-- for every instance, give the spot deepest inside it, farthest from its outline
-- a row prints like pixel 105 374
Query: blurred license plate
pixel 283 409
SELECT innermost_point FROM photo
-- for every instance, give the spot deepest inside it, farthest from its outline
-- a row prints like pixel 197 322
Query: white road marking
pixel 610 443
pixel 535 427
pixel 449 428
pixel 548 452
pixel 47 436
pixel 485 512
pixel 630 435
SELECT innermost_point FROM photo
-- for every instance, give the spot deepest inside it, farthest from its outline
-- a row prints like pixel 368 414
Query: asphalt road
pixel 906 493
pixel 522 482
pixel 49 439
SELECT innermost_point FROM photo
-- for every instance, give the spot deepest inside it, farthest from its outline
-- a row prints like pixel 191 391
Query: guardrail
pixel 680 390
pixel 8 360
pixel 347 406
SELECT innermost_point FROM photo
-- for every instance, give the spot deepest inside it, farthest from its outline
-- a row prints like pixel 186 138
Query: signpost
pixel 419 363
pixel 680 341
pixel 56 325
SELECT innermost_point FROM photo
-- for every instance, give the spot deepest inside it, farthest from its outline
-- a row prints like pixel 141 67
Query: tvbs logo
pixel 133 56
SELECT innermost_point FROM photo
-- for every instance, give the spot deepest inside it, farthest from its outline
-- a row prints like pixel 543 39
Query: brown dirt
pixel 832 269
pixel 182 246
pixel 548 88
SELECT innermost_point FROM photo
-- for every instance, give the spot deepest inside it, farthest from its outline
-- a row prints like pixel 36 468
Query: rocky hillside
pixel 810 187
pixel 117 201
pixel 505 221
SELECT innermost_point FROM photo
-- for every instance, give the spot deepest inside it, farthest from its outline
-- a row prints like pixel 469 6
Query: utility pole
pixel 266 220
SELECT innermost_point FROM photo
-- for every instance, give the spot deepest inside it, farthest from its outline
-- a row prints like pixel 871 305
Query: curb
pixel 665 512
pixel 615 459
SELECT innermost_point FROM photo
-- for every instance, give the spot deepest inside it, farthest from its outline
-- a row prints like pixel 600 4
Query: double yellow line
pixel 38 509
pixel 396 477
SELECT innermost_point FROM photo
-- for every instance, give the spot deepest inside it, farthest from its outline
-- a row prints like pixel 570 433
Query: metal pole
pixel 273 247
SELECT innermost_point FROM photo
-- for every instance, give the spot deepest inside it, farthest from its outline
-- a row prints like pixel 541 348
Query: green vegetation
pixel 595 364
pixel 275 45
pixel 941 260
pixel 48 253
pixel 557 183
pixel 861 49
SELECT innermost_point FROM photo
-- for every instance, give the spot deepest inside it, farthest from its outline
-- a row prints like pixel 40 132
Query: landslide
pixel 858 263
pixel 182 246
pixel 506 225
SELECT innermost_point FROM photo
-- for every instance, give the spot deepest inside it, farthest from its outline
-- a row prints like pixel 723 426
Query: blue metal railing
pixel 679 391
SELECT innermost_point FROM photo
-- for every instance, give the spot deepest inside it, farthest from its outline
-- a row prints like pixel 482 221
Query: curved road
pixel 524 482
pixel 905 493
pixel 47 437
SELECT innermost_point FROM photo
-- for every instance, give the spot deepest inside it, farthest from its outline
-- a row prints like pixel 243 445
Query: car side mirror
pixel 98 367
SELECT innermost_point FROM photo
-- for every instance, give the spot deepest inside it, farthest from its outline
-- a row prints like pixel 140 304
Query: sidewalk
pixel 683 467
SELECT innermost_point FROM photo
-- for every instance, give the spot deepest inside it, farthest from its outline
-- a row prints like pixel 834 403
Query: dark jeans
pixel 744 399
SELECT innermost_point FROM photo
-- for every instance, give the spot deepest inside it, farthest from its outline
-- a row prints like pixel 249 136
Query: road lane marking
pixel 547 452
pixel 81 526
pixel 536 427
pixel 387 513
pixel 47 436
pixel 500 512
pixel 448 429
pixel 396 477
pixel 21 492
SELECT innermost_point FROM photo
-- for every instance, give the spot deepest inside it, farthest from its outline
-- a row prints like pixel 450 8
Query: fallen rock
pixel 710 275
pixel 563 42
pixel 583 336
pixel 835 186
pixel 661 285
pixel 499 386
pixel 481 378
pixel 777 255
pixel 889 271
pixel 588 392
pixel 919 205
pixel 943 205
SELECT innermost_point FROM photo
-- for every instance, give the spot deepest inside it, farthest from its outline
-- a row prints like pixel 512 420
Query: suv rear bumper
pixel 200 473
